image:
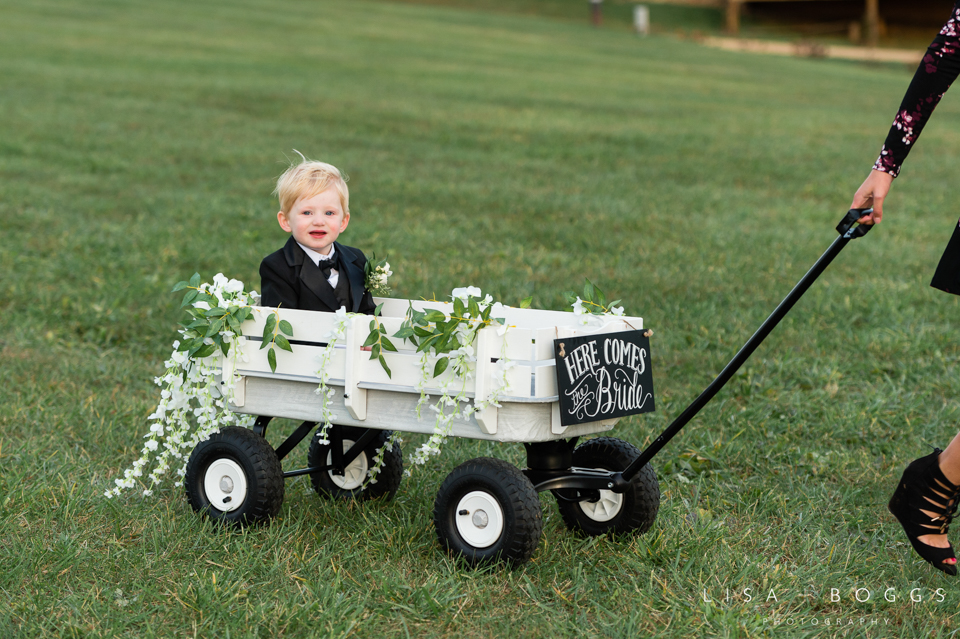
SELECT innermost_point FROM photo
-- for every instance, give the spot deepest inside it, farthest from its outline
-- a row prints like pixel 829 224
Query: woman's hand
pixel 871 195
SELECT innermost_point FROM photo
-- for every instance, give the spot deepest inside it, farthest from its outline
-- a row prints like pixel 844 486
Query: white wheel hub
pixel 479 519
pixel 354 474
pixel 606 508
pixel 225 485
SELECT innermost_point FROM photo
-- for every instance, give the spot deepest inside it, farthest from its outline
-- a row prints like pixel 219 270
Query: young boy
pixel 313 271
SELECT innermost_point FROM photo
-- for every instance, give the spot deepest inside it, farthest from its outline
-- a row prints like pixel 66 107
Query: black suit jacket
pixel 290 279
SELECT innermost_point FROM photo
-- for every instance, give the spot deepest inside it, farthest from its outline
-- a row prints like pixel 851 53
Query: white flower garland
pixel 193 405
pixel 463 364
pixel 327 415
pixel 326 356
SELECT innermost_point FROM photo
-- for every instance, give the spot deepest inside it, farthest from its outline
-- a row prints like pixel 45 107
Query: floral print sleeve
pixel 938 69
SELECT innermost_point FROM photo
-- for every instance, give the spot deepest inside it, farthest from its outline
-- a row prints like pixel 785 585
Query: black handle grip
pixel 846 226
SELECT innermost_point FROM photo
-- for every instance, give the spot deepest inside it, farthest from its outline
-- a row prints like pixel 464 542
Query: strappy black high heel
pixel 923 487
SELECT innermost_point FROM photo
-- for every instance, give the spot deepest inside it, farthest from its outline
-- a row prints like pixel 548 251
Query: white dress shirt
pixel 318 257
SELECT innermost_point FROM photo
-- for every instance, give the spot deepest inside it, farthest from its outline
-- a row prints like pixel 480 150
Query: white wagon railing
pixel 366 396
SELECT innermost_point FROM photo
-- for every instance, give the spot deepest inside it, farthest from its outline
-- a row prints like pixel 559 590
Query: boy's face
pixel 316 221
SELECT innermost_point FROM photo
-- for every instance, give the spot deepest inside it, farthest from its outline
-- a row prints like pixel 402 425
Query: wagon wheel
pixel 487 510
pixel 350 485
pixel 235 476
pixel 632 511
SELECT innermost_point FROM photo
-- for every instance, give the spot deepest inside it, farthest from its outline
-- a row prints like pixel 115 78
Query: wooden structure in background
pixel 871 17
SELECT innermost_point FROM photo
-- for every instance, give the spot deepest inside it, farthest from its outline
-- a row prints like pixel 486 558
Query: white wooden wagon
pixel 486 509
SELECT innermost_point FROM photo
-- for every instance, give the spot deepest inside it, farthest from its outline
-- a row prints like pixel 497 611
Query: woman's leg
pixel 950 467
pixel 925 501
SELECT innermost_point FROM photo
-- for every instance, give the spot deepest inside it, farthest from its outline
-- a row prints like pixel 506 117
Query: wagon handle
pixel 846 225
pixel 848 230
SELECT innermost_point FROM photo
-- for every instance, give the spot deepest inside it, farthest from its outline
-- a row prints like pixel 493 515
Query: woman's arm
pixel 938 69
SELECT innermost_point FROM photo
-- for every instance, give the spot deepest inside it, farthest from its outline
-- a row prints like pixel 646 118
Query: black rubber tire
pixel 260 468
pixel 513 492
pixel 388 480
pixel 640 503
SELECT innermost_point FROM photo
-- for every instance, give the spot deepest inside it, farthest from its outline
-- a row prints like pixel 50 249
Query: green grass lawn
pixel 139 143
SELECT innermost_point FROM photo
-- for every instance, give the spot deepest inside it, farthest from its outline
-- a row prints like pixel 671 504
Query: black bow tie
pixel 326 265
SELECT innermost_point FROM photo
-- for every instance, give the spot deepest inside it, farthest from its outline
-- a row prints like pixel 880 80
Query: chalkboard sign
pixel 604 376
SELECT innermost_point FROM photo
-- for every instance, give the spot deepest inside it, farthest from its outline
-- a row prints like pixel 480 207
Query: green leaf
pixel 600 298
pixel 234 324
pixel 265 343
pixel 282 342
pixel 526 302
pixel 588 292
pixel 205 351
pixel 195 324
pixel 214 328
pixel 458 307
pixel 500 320
pixel 189 297
pixel 179 286
pixel 423 332
pixel 272 359
pixel 195 346
pixel 375 351
pixel 286 328
pixel 405 332
pixel 449 329
pixel 474 308
pixel 435 316
pixel 388 345
pixel 376 311
pixel 445 345
pixel 372 338
pixel 195 280
pixel 425 344
pixel 386 368
pixel 613 303
pixel 225 347
pixel 441 366
pixel 216 311
pixel 268 329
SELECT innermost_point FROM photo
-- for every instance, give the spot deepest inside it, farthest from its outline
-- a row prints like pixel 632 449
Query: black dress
pixel 938 69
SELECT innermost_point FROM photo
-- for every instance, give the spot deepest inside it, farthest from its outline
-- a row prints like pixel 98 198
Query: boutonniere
pixel 375 276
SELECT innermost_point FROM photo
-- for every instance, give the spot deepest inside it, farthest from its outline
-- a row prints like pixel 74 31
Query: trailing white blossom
pixel 327 415
pixel 465 292
pixel 453 402
pixel 326 356
pixel 379 459
pixel 193 402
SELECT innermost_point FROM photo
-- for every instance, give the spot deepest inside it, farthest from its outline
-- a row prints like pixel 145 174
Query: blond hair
pixel 307 179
